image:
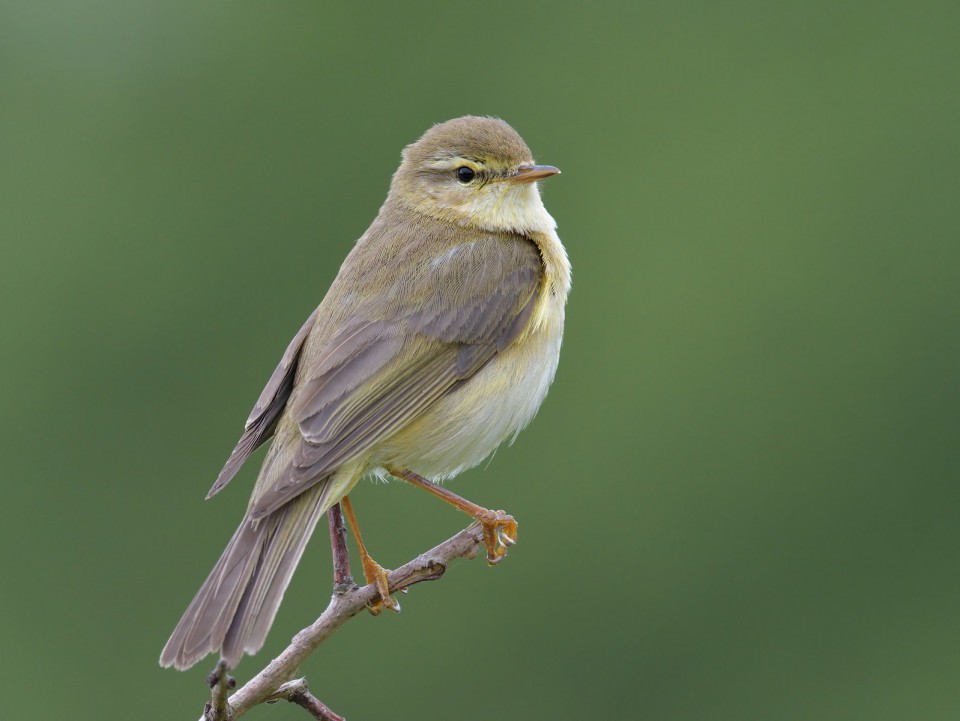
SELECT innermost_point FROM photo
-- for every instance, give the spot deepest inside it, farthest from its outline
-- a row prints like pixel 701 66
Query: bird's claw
pixel 377 575
pixel 499 533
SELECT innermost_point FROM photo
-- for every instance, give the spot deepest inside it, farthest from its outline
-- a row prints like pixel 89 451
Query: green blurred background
pixel 740 500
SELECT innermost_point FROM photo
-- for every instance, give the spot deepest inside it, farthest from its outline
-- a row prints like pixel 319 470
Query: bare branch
pixel 217 708
pixel 267 684
pixel 298 692
pixel 342 580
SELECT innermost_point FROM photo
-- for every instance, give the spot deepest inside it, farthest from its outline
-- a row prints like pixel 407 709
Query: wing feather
pixel 266 411
pixel 388 365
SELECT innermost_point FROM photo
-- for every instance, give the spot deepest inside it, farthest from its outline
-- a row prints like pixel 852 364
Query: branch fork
pixel 277 679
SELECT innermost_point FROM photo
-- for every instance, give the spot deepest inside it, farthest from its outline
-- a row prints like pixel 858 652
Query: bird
pixel 436 342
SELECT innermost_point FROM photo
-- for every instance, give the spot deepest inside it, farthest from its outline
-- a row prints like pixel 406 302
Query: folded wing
pixel 388 363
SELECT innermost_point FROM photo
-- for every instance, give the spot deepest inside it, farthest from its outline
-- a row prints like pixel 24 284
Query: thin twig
pixel 342 580
pixel 298 692
pixel 217 708
pixel 427 566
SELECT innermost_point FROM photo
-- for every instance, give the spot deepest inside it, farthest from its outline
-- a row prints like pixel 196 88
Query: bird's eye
pixel 465 174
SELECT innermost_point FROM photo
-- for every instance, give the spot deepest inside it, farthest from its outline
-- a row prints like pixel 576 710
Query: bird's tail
pixel 236 605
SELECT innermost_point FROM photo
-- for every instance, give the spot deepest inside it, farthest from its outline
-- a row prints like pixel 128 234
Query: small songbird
pixel 436 342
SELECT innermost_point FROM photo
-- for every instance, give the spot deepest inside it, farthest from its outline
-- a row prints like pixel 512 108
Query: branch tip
pixel 218 708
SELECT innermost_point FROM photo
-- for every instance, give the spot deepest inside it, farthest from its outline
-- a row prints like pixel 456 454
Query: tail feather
pixel 282 551
pixel 236 605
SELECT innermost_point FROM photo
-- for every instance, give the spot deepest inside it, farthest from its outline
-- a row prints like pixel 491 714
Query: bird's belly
pixel 465 427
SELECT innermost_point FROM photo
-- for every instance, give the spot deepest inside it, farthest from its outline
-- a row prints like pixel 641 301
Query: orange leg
pixel 372 571
pixel 499 529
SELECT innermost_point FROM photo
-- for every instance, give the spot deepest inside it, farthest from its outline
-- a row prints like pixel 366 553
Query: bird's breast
pixel 466 426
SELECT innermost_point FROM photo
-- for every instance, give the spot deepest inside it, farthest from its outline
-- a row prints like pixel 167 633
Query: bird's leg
pixel 499 529
pixel 342 580
pixel 372 571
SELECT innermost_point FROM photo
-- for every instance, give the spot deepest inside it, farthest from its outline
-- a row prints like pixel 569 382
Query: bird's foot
pixel 499 528
pixel 377 575
pixel 499 533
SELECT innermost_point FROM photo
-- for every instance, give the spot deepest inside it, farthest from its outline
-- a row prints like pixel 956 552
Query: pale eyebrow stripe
pixel 451 163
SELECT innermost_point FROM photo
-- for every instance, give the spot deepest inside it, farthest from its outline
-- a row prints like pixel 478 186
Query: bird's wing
pixel 377 374
pixel 263 418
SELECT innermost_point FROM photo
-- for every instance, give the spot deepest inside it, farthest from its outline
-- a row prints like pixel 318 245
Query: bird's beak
pixel 529 173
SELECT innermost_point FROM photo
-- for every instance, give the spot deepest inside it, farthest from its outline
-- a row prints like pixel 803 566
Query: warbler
pixel 436 342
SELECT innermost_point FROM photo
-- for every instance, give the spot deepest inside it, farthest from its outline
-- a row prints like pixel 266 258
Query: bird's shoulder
pixel 408 264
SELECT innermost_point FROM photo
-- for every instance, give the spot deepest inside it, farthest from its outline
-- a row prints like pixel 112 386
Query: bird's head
pixel 474 171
